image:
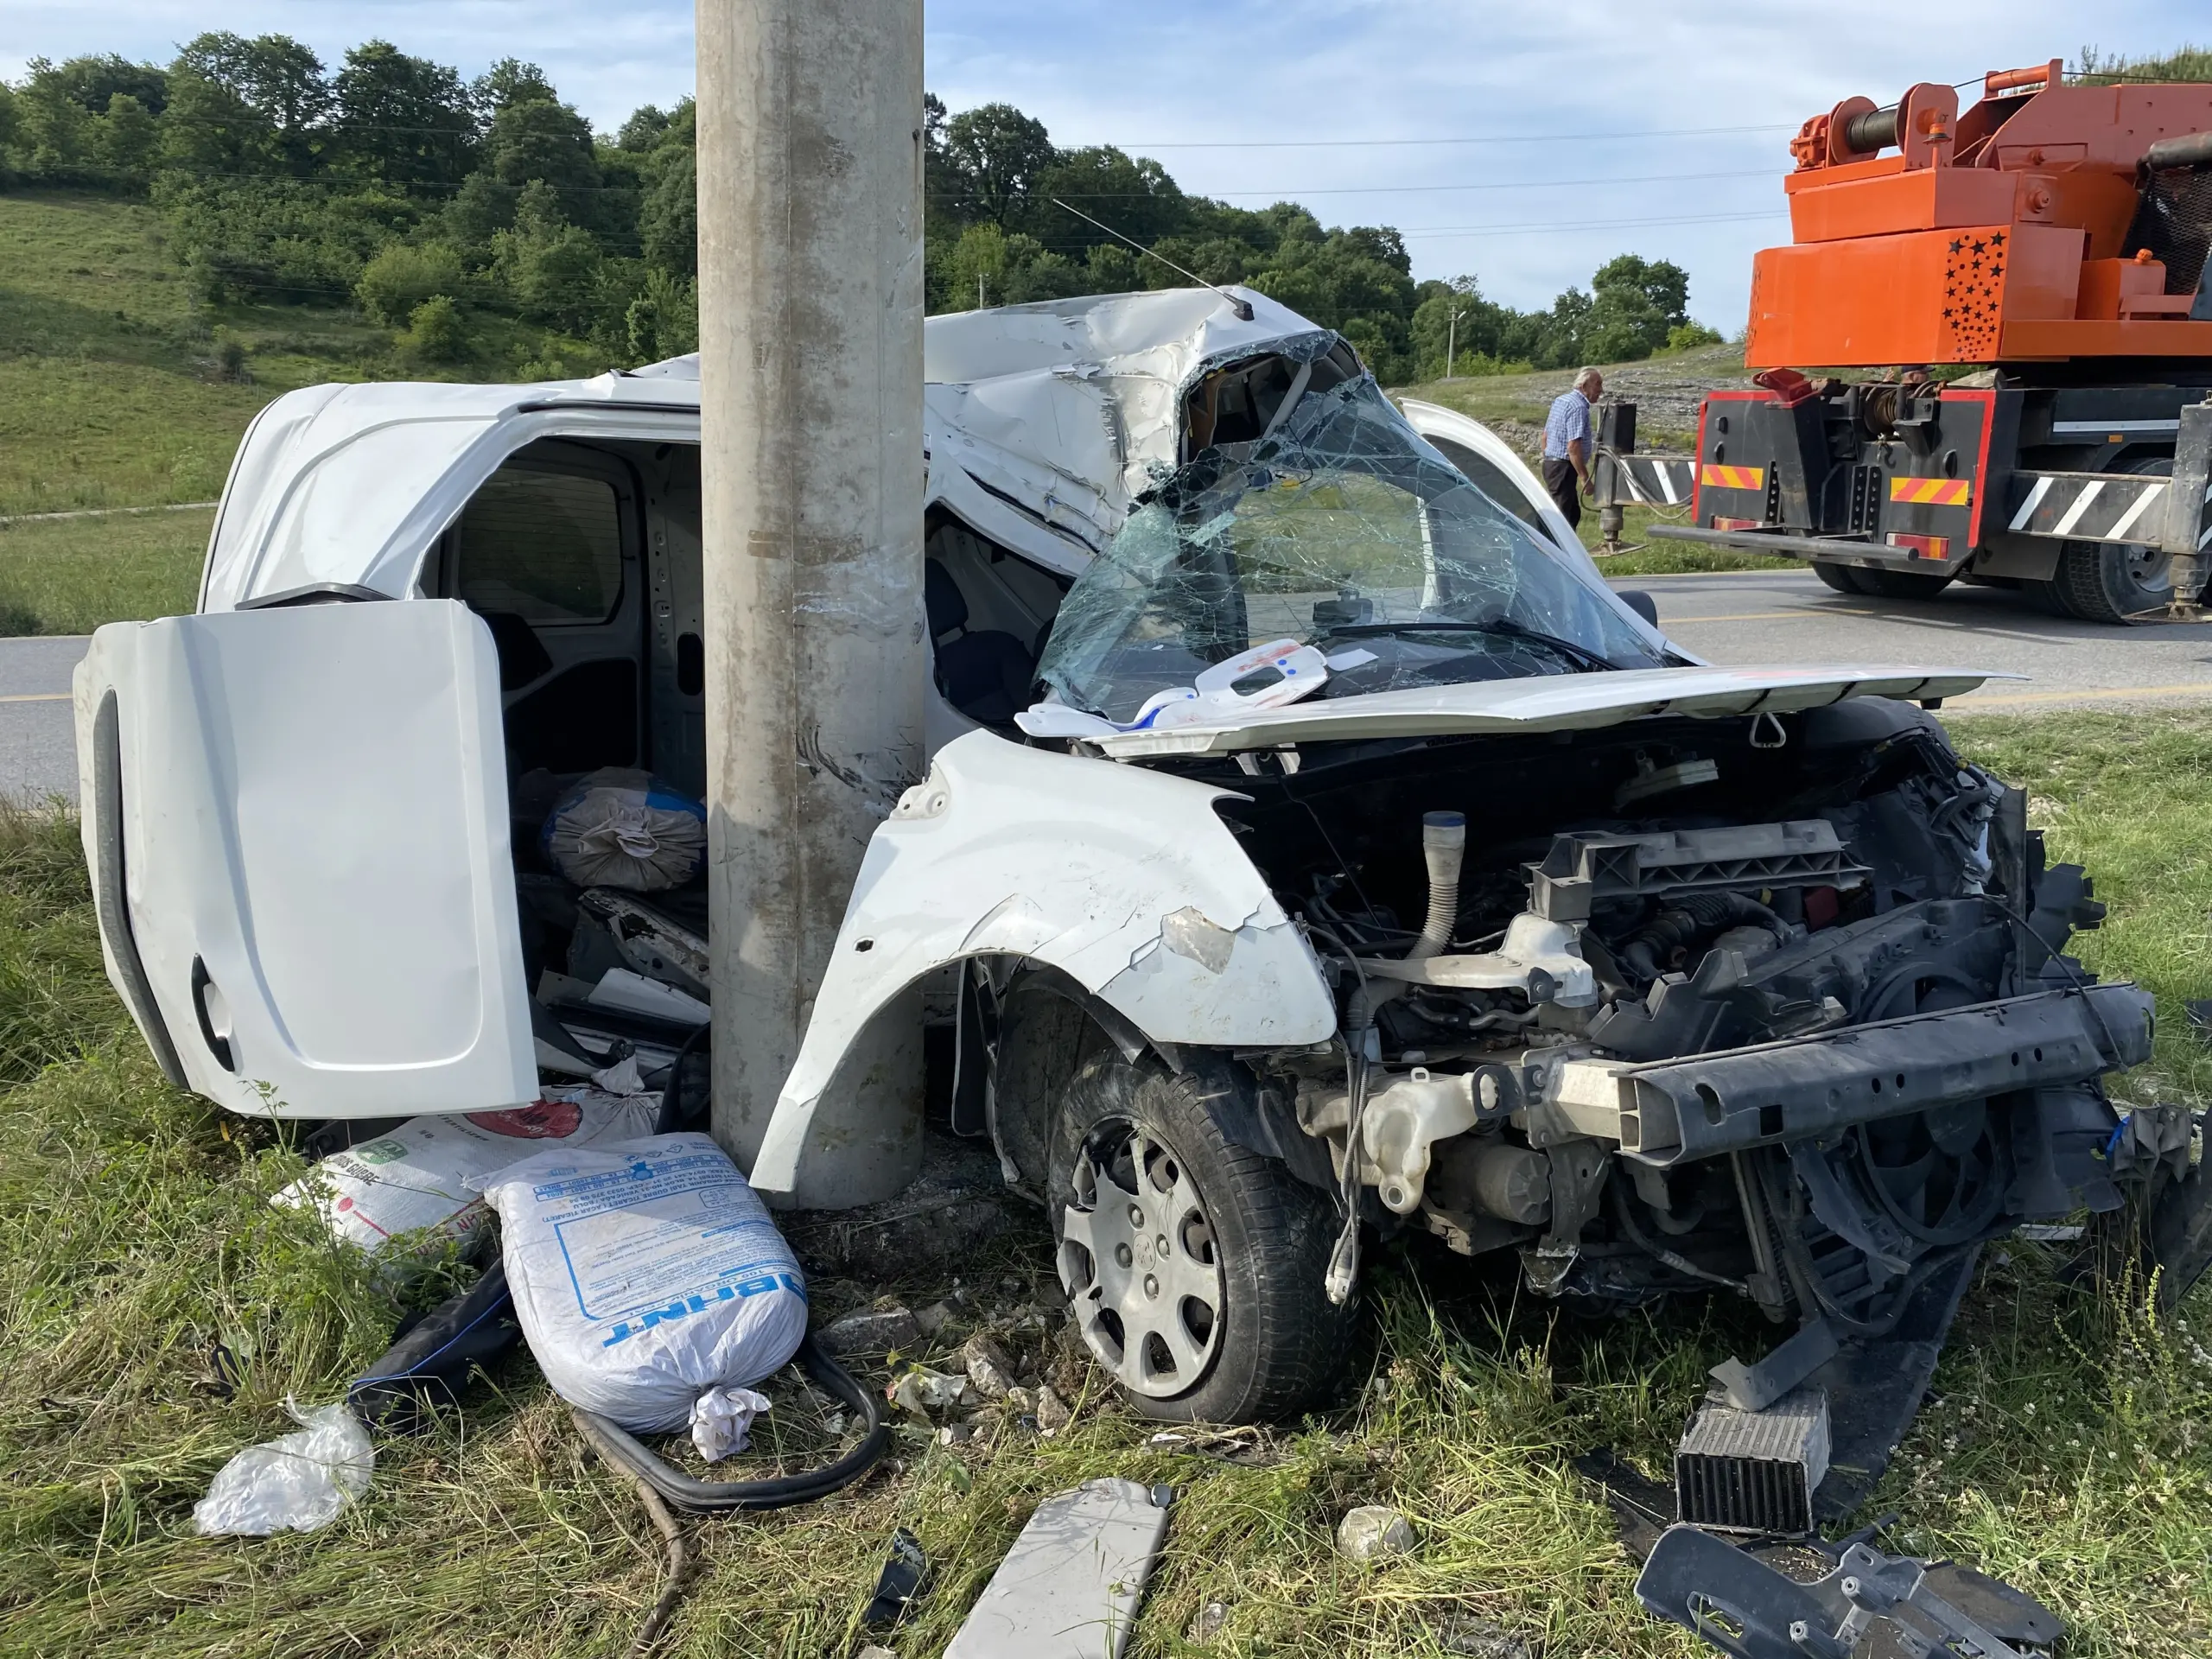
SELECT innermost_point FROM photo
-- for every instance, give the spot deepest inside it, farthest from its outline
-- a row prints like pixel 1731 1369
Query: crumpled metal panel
pixel 1124 878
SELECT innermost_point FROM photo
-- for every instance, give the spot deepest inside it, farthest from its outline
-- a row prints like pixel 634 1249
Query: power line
pixel 1414 189
pixel 1551 137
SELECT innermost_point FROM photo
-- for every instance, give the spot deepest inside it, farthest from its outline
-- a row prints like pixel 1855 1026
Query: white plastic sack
pixel 721 1419
pixel 295 1483
pixel 622 828
pixel 427 1171
pixel 644 1274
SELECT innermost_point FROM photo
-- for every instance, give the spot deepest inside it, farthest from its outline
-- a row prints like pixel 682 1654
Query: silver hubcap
pixel 1140 1265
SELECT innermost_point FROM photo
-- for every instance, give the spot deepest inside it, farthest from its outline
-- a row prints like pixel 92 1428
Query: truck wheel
pixel 1193 1265
pixel 1905 584
pixel 2103 582
pixel 1838 577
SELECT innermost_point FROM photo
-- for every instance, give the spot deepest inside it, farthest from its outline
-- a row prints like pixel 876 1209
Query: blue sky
pixel 1652 126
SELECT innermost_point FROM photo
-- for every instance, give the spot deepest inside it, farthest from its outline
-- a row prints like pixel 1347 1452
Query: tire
pixel 1838 577
pixel 1905 584
pixel 1235 1306
pixel 2099 582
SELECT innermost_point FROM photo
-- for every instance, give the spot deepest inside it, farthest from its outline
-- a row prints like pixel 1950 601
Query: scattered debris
pixel 872 1331
pixel 956 1435
pixel 1053 1414
pixel 904 1567
pixel 1207 1623
pixel 722 1418
pixel 632 1309
pixel 1479 1638
pixel 1374 1532
pixel 873 1651
pixel 934 1318
pixel 295 1483
pixel 1751 1609
pixel 925 1392
pixel 1070 1587
pixel 988 1368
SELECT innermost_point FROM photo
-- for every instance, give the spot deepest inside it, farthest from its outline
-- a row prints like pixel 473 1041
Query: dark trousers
pixel 1559 479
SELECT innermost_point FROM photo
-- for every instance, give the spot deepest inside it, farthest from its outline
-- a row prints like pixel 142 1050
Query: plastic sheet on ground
pixel 295 1483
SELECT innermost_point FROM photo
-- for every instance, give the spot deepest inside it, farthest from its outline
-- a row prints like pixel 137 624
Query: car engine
pixel 1777 1004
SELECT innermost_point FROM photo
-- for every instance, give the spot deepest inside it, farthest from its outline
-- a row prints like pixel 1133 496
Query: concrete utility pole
pixel 810 157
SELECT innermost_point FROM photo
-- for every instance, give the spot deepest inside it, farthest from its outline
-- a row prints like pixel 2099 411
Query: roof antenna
pixel 1242 308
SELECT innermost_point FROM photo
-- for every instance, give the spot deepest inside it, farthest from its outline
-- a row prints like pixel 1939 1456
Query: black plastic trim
pixel 110 891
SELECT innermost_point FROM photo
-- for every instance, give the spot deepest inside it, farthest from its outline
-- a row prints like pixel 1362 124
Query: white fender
pixel 1123 878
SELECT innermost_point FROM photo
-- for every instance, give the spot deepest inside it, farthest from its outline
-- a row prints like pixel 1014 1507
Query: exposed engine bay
pixel 1773 1004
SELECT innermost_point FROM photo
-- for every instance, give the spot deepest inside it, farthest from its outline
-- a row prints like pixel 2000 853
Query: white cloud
pixel 1564 77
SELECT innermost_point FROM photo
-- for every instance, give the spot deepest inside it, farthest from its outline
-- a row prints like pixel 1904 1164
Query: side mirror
pixel 1639 601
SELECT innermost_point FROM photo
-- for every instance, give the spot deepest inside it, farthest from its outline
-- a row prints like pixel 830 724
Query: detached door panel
pixel 308 806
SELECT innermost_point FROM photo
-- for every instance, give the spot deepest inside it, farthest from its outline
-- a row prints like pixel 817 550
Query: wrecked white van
pixel 1316 840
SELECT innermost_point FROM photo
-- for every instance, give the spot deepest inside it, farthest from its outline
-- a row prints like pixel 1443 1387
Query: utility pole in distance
pixel 810 168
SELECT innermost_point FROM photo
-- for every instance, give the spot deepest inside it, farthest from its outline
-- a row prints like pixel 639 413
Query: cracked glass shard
pixel 1340 526
pixel 1188 933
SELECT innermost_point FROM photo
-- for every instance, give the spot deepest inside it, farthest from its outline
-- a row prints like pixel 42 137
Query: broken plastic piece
pixel 295 1483
pixel 1070 1587
pixel 1754 1388
pixel 628 993
pixel 896 1586
pixel 1750 1610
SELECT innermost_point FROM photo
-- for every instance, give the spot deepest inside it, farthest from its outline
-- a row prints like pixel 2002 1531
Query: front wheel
pixel 1193 1265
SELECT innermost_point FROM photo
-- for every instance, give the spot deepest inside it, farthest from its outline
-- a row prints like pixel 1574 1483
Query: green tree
pixel 551 268
pixel 55 127
pixel 512 81
pixel 403 120
pixel 129 138
pixel 402 276
pixel 996 154
pixel 643 132
pixel 1634 302
pixel 549 143
pixel 1135 196
pixel 243 105
pixel 435 332
pixel 668 214
pixel 91 81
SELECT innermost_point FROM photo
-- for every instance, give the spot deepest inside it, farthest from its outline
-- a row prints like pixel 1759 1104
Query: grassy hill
pixel 118 389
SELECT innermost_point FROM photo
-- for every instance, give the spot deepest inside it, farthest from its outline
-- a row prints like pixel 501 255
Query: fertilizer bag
pixel 621 828
pixel 645 1273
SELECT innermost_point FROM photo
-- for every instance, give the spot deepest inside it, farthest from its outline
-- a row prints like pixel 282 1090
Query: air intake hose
pixel 1444 846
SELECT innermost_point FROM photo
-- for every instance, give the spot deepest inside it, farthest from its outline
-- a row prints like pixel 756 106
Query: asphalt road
pixel 1778 616
pixel 1791 616
pixel 38 745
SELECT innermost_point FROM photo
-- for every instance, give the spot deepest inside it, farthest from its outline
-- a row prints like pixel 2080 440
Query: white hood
pixel 1550 702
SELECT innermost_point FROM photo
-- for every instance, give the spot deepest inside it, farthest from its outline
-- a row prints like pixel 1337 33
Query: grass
pixel 111 393
pixel 70 575
pixel 2066 1447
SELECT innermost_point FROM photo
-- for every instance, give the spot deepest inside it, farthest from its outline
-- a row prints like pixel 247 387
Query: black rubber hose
pixel 625 1451
pixel 2194 150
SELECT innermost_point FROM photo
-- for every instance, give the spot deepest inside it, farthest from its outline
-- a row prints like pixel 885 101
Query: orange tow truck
pixel 2051 241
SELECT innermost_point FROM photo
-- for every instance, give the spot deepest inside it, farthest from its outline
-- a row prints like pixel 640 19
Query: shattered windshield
pixel 1340 530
